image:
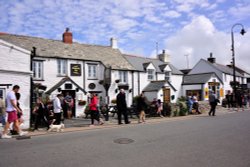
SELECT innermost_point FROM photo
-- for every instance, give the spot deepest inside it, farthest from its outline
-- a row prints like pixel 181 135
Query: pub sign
pixel 75 70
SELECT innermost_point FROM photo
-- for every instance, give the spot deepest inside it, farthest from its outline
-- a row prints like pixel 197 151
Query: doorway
pixel 166 95
pixel 71 93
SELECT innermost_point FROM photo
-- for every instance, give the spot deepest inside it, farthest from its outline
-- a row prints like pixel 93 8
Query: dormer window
pixel 167 75
pixel 151 74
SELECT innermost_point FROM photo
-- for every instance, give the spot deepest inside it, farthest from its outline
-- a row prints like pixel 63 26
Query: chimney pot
pixel 113 43
pixel 67 36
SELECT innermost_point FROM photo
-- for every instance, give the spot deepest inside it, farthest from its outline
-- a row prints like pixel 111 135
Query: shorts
pixel 12 116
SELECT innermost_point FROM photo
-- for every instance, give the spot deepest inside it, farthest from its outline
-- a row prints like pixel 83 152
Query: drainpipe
pixel 32 55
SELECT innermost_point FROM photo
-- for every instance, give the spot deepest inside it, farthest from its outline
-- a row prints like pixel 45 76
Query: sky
pixel 188 30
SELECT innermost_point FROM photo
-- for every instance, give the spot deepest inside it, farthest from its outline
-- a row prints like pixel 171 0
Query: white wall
pixel 15 70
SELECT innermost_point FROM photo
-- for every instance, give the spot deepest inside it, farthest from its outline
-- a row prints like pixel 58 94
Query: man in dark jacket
pixel 213 103
pixel 122 107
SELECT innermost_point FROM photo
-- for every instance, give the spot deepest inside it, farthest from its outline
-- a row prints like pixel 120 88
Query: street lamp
pixel 242 32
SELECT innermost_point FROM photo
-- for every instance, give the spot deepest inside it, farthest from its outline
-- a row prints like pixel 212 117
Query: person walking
pixel 159 108
pixel 229 98
pixel 213 103
pixel 94 112
pixel 12 111
pixel 41 114
pixel 141 106
pixel 57 109
pixel 122 107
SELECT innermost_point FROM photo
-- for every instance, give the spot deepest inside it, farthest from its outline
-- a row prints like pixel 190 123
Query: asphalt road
pixel 199 141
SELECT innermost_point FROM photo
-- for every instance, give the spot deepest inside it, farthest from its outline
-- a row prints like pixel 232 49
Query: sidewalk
pixel 82 124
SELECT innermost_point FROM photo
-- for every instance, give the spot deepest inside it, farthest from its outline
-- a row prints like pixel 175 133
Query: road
pixel 199 141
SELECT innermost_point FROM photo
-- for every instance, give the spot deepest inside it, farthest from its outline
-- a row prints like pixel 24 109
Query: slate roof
pixel 198 78
pixel 58 49
pixel 157 85
pixel 223 68
pixel 139 62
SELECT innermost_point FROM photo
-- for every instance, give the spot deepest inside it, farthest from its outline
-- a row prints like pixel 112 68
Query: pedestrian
pixel 159 108
pixel 213 103
pixel 2 112
pixel 12 111
pixel 190 104
pixel 69 103
pixel 94 112
pixel 41 114
pixel 141 106
pixel 57 109
pixel 229 98
pixel 19 115
pixel 122 107
pixel 196 104
pixel 239 100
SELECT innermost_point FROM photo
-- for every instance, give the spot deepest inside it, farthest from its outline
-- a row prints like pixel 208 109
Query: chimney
pixel 113 43
pixel 67 36
pixel 211 59
pixel 164 57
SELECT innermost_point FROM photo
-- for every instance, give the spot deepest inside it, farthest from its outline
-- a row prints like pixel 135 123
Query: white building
pixel 15 70
pixel 64 66
pixel 218 78
pixel 157 78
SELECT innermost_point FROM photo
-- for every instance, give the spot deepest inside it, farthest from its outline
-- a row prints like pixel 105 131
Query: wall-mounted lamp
pixel 59 89
pixel 130 90
pixel 77 89
pixel 116 90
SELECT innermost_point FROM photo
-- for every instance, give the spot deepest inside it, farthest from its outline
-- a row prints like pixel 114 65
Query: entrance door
pixel 72 93
pixel 166 95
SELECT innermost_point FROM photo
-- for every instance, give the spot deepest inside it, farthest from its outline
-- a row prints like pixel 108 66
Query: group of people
pixel 238 100
pixel 193 104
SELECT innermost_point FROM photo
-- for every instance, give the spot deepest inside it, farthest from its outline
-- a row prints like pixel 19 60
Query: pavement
pixel 83 124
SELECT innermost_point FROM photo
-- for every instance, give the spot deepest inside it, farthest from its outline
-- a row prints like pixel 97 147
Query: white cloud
pixel 199 38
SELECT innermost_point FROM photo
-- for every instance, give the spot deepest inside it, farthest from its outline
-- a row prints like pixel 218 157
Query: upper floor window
pixel 123 76
pixel 37 70
pixel 92 69
pixel 167 75
pixel 151 74
pixel 61 67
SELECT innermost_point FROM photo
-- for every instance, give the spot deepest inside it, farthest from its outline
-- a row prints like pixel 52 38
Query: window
pixel 92 68
pixel 61 67
pixel 151 74
pixel 167 75
pixel 37 70
pixel 123 76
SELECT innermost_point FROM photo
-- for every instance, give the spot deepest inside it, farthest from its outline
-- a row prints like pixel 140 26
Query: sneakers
pixel 23 133
pixel 5 136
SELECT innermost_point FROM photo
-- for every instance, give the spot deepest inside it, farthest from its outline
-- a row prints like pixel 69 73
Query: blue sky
pixel 181 27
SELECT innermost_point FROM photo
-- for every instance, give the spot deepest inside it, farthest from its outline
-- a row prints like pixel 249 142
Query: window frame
pixel 123 77
pixel 92 71
pixel 150 76
pixel 37 69
pixel 62 67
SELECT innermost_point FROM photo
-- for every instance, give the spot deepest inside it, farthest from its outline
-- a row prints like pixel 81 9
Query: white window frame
pixel 61 67
pixel 92 71
pixel 151 74
pixel 37 69
pixel 123 76
pixel 167 75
